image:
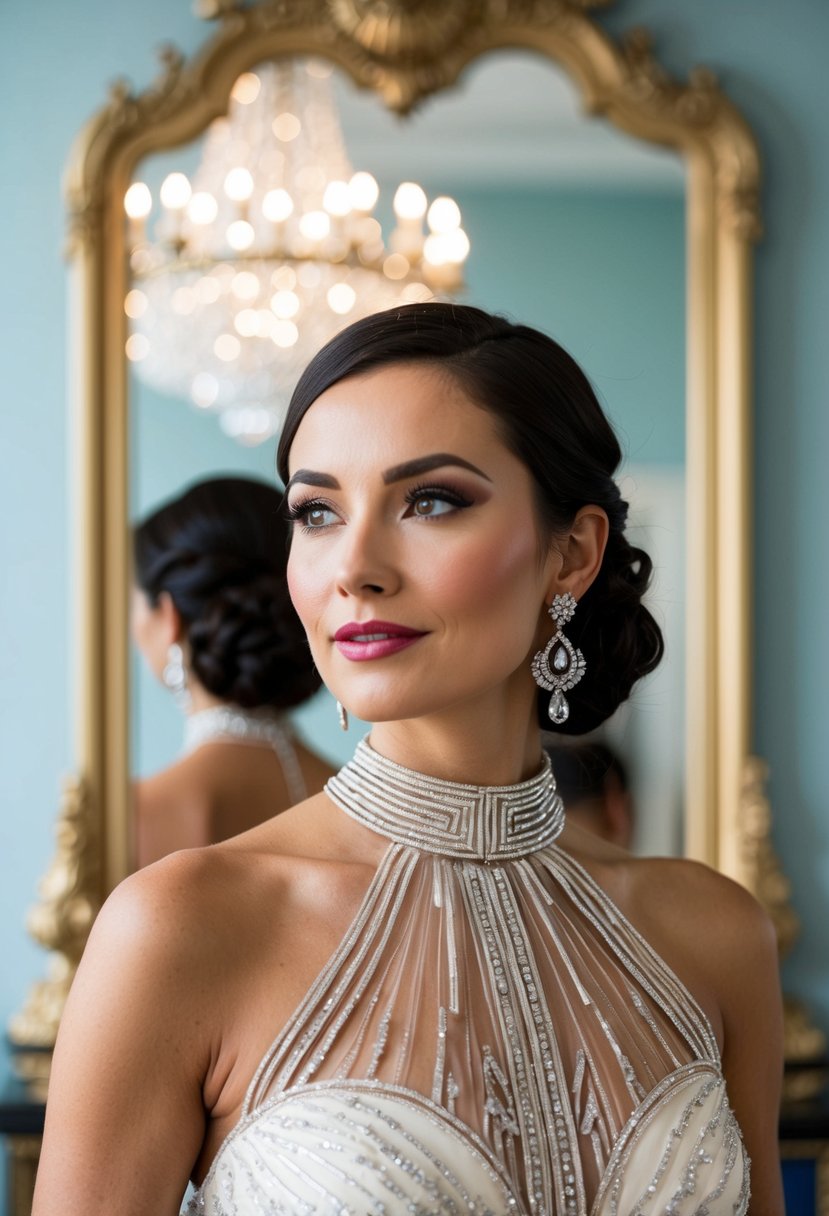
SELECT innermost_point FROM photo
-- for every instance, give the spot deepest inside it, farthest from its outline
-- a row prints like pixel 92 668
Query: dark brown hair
pixel 219 550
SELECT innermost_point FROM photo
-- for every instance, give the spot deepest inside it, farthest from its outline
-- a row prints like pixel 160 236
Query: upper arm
pixel 124 1118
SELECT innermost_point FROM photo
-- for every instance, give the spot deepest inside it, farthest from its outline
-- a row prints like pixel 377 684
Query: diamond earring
pixel 342 716
pixel 174 675
pixel 560 665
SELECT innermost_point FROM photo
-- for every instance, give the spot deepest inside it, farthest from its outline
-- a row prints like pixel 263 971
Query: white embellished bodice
pixel 491 1036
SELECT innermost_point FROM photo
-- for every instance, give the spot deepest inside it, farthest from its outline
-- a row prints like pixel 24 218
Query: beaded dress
pixel 491 1036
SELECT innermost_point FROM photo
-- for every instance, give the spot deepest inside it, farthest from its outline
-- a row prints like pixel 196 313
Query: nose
pixel 366 564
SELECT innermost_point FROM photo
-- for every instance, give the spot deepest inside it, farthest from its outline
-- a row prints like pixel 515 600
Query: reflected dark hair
pixel 581 770
pixel 549 417
pixel 220 551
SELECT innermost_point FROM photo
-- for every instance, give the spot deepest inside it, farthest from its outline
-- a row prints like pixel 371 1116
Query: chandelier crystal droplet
pixel 241 275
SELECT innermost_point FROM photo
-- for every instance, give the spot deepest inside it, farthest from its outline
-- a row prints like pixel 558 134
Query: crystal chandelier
pixel 241 275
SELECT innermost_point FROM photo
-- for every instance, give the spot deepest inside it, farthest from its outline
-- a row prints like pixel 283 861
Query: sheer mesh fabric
pixel 511 997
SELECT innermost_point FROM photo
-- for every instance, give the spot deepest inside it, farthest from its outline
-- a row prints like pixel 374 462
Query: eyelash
pixel 440 493
pixel 296 513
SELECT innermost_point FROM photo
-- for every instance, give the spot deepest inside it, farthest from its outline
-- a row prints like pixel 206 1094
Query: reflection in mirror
pixel 573 228
pixel 213 621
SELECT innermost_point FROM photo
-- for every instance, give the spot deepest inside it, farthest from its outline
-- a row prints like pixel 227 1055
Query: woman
pixel 213 620
pixel 476 1008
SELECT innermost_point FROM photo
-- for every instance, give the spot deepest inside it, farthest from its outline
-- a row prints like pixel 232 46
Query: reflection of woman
pixel 593 784
pixel 476 1008
pixel 212 617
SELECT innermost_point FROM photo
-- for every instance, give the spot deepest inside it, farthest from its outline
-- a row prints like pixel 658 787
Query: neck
pixel 200 698
pixel 482 743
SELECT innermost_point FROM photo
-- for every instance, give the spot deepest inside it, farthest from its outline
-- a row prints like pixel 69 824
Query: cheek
pixel 307 583
pixel 139 622
pixel 499 568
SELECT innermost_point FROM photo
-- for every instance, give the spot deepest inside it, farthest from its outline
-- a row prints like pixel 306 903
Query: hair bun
pixel 248 646
pixel 219 551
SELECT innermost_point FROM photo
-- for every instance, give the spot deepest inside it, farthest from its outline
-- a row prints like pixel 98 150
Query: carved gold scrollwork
pixel 60 922
pixel 390 31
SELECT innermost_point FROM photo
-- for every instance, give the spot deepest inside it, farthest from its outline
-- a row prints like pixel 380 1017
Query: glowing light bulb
pixel 286 127
pixel 246 88
pixel 227 347
pixel 277 205
pixel 434 249
pixel 135 303
pixel 364 191
pixel 175 191
pixel 285 334
pixel 337 198
pixel 246 322
pixel 204 390
pixel 456 245
pixel 341 298
pixel 315 225
pixel 245 285
pixel 409 201
pixel 202 208
pixel 285 304
pixel 444 215
pixel 396 266
pixel 137 348
pixel 240 235
pixel 138 202
pixel 238 185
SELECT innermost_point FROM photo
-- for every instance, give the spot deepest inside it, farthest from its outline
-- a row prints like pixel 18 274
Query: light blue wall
pixel 55 61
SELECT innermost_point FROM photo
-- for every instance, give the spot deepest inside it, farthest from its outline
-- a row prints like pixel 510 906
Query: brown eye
pixel 424 506
pixel 316 517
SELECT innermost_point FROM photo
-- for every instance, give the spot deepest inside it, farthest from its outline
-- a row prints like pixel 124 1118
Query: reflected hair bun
pixel 220 552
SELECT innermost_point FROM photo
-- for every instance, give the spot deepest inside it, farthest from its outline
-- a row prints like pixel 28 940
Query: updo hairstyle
pixel 220 551
pixel 549 417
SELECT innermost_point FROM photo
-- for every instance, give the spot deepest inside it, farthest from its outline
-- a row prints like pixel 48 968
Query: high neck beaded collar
pixel 485 823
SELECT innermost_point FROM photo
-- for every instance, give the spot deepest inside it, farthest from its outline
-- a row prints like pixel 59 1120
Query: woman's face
pixel 416 564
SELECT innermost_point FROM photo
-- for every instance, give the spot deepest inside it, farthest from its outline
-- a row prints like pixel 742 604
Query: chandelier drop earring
pixel 174 676
pixel 342 716
pixel 560 665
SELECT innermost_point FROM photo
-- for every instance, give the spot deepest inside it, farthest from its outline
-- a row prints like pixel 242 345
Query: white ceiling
pixel 514 118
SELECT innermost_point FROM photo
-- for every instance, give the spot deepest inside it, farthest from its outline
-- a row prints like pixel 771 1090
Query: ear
pixel 169 619
pixel 580 551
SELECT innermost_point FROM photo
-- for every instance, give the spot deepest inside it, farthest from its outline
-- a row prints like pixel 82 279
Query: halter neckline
pixel 484 823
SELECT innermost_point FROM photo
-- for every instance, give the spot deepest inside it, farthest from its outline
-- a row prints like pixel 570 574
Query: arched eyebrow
pixel 425 464
pixel 398 472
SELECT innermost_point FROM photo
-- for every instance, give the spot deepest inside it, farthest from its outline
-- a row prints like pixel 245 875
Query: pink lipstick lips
pixel 363 640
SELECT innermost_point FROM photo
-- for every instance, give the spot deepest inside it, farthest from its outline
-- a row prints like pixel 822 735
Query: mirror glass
pixel 574 228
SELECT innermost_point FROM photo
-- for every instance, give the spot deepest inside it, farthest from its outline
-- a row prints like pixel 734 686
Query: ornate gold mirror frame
pixel 406 52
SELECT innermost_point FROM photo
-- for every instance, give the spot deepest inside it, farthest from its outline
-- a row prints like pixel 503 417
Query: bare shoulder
pixel 170 914
pixel 710 930
pixel 676 895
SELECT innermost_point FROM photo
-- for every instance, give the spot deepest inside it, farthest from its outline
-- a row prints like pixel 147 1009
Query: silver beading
pixel 490 823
